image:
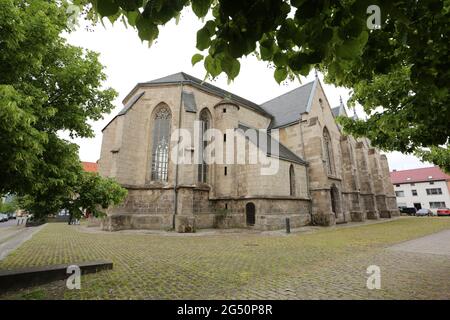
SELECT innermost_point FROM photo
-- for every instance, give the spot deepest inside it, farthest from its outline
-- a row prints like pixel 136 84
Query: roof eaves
pixel 125 109
pixel 311 95
pixel 285 125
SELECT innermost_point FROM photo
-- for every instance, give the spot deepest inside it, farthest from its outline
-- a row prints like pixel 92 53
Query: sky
pixel 128 61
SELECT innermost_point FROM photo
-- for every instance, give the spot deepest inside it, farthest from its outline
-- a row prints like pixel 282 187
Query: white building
pixel 422 188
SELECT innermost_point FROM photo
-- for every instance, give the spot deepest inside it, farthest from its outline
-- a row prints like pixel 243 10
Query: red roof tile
pixel 418 175
pixel 89 166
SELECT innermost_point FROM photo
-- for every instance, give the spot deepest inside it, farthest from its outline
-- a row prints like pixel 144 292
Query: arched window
pixel 205 124
pixel 291 181
pixel 328 151
pixel 335 202
pixel 160 149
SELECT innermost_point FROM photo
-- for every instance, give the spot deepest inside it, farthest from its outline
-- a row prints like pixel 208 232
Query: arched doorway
pixel 334 193
pixel 250 214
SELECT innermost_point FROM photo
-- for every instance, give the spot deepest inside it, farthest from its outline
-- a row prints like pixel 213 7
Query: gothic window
pixel 205 124
pixel 291 181
pixel 328 152
pixel 160 146
pixel 352 161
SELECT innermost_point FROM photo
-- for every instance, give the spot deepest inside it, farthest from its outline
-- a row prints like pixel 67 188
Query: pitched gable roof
pixel 418 175
pixel 287 108
pixel 266 146
pixel 188 98
pixel 185 78
pixel 339 111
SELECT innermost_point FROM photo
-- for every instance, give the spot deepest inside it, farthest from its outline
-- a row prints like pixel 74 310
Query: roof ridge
pixel 416 169
pixel 214 89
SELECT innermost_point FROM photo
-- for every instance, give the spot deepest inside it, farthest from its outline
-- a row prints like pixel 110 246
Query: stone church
pixel 323 177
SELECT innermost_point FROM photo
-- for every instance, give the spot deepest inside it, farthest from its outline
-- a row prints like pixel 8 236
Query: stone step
pixel 27 277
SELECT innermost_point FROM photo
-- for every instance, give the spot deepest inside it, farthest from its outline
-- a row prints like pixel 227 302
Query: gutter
pixel 175 185
pixel 307 169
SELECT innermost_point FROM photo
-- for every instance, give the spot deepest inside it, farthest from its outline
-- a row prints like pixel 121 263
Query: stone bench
pixel 27 277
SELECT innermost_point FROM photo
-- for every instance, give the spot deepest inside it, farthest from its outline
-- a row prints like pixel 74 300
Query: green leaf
pixel 201 7
pixel 352 48
pixel 203 39
pixel 266 53
pixel 147 31
pixel 196 58
pixel 211 27
pixel 131 17
pixel 230 66
pixel 212 66
pixel 280 74
pixel 280 59
pixel 130 5
pixel 298 60
pixel 107 8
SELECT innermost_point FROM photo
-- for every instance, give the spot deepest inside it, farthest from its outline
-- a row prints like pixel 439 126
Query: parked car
pixel 424 212
pixel 443 212
pixel 409 211
pixel 3 217
pixel 11 215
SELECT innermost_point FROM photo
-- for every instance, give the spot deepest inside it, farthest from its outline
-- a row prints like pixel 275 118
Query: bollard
pixel 288 225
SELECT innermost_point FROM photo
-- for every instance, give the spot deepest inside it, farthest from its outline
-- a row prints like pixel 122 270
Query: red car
pixel 443 212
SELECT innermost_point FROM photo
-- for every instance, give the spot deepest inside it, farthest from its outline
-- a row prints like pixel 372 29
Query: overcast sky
pixel 129 61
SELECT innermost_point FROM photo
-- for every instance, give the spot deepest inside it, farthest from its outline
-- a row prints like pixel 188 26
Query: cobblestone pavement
pixel 329 263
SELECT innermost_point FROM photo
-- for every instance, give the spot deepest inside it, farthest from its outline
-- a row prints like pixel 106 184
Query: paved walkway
pixel 12 237
pixel 438 243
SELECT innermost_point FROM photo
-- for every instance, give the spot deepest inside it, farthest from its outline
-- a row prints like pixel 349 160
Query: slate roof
pixel 282 110
pixel 182 77
pixel 339 111
pixel 418 175
pixel 335 111
pixel 283 152
pixel 130 103
pixel 287 108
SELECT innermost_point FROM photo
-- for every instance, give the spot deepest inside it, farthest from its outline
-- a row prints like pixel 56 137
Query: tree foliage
pixel 399 72
pixel 87 192
pixel 46 87
pixel 93 194
pixel 10 205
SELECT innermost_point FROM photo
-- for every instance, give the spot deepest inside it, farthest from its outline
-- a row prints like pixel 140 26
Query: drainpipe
pixel 307 168
pixel 175 185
